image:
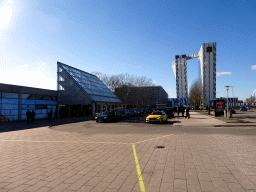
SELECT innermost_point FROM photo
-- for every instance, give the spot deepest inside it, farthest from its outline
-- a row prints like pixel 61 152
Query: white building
pixel 207 58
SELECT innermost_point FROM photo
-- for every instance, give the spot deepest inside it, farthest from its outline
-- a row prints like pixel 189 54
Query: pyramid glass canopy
pixel 79 87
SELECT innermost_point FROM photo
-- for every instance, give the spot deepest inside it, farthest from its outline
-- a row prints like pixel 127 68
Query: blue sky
pixel 137 37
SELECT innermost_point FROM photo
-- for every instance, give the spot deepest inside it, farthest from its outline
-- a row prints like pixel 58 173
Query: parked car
pixel 131 113
pixel 157 117
pixel 243 108
pixel 107 116
pixel 122 114
pixel 248 107
pixel 137 112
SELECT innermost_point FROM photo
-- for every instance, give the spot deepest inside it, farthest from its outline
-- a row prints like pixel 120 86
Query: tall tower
pixel 180 71
pixel 207 59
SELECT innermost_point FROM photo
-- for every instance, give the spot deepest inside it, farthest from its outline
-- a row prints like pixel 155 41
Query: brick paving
pixel 87 156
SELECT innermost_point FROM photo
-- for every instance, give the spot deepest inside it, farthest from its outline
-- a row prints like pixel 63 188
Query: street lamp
pixel 227 87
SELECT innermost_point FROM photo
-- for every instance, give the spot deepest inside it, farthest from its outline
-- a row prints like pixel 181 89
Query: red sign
pixel 220 106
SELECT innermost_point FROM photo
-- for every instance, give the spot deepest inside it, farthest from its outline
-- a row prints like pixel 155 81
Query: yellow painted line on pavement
pixel 66 142
pixel 142 187
pixel 153 139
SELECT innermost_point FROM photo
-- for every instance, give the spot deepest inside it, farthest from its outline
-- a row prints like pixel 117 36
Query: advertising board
pixel 219 107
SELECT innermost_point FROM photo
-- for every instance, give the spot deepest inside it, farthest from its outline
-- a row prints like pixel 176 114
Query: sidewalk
pixel 231 122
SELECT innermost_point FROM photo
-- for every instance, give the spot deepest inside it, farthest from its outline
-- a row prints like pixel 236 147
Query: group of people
pixel 183 110
pixel 31 116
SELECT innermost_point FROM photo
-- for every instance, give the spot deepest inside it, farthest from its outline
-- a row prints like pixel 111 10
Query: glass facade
pixel 90 84
pixel 9 105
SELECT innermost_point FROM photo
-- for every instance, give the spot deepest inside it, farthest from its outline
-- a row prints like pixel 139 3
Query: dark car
pixel 243 108
pixel 122 114
pixel 131 113
pixel 107 116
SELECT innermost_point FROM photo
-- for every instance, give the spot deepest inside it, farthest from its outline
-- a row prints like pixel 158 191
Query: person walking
pixel 182 111
pixel 178 111
pixel 28 114
pixel 187 113
pixel 50 116
pixel 32 116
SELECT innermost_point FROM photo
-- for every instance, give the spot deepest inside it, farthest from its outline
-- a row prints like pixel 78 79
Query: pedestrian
pixel 178 111
pixel 182 111
pixel 28 114
pixel 187 113
pixel 32 116
pixel 50 116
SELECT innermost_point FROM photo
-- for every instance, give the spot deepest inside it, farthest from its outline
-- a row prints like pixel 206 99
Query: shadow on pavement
pixel 22 125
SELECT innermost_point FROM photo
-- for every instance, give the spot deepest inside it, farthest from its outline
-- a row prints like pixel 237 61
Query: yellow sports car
pixel 157 116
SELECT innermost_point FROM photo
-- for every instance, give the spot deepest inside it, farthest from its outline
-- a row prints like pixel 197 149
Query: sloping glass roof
pixel 91 84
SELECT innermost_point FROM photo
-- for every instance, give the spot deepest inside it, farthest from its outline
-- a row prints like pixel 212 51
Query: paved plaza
pixel 182 155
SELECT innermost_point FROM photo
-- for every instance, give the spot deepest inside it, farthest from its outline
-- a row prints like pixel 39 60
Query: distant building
pixel 233 102
pixel 207 59
pixel 142 96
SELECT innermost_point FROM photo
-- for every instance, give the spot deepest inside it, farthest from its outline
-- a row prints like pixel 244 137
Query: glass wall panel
pixel 10 101
pixel 41 102
pixel 44 110
pixel 6 112
pixel 10 95
pixel 28 101
pixel 23 117
pixel 51 102
pixel 25 96
pixel 37 111
pixel 30 107
pixel 23 112
pixel 11 117
pixel 40 116
pixel 14 112
pixel 15 118
pixel 9 106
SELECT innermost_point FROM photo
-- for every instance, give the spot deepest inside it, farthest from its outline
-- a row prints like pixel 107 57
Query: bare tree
pixel 250 100
pixel 126 84
pixel 195 93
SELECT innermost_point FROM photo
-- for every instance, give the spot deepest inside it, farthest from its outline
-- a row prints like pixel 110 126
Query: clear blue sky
pixel 133 36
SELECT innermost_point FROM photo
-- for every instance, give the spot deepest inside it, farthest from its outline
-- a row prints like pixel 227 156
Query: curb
pixel 234 125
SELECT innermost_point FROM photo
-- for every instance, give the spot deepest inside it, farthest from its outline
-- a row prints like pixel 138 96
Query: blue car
pixel 243 108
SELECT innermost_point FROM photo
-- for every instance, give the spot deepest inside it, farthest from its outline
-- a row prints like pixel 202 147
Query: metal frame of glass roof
pixel 78 87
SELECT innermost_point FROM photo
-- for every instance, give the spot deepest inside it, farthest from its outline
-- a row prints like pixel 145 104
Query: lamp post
pixel 227 87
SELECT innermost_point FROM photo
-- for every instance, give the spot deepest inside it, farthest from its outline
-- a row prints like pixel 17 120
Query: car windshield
pixel 156 113
pixel 121 112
